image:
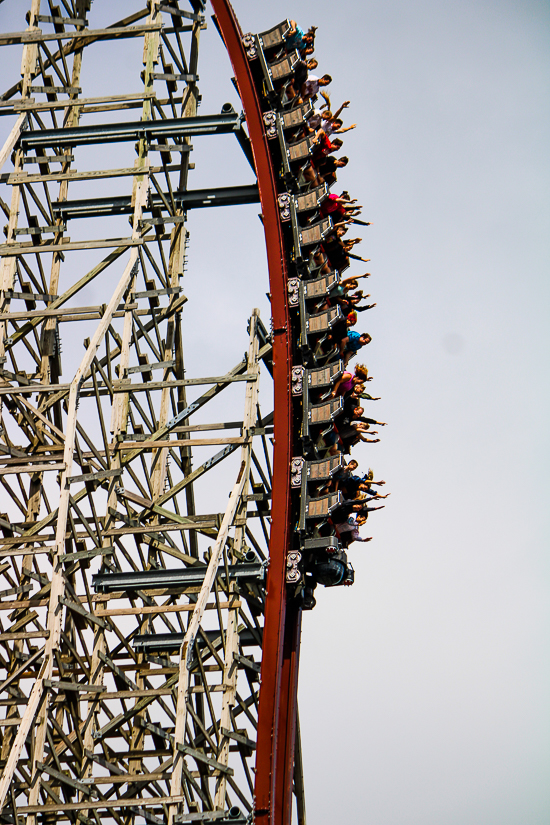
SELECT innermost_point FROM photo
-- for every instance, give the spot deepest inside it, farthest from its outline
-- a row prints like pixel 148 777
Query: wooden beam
pixel 12 249
pixel 251 404
pixel 195 442
pixel 107 804
pixel 24 105
pixel 162 608
pixel 37 36
pixel 12 139
pixel 19 178
pixel 31 468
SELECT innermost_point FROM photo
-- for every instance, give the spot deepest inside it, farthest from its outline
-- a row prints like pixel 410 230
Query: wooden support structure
pixel 154 570
pixel 96 470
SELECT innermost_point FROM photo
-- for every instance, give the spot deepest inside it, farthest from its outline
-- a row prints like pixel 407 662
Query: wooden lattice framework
pixel 105 718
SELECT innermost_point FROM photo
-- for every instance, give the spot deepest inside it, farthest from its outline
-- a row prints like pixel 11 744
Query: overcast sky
pixel 424 688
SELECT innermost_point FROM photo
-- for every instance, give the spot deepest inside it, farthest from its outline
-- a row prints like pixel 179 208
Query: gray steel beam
pixel 181 577
pixel 134 130
pixel 171 642
pixel 193 199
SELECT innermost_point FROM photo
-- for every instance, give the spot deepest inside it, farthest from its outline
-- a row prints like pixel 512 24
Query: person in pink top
pixel 348 380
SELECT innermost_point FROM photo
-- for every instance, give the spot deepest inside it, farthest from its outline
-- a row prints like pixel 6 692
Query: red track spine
pixel 277 708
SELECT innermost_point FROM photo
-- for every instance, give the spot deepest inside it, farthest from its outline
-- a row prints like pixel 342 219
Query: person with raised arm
pixel 297 38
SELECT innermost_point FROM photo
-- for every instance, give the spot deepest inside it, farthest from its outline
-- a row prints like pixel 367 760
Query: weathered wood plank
pixel 37 36
pixel 161 608
pixel 19 178
pixel 140 802
pixel 196 442
pixel 9 250
pixel 29 634
pixel 24 105
pixel 162 528
pixel 12 139
pixel 30 468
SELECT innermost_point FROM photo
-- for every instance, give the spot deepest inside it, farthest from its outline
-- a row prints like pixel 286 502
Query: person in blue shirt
pixel 298 39
pixel 352 343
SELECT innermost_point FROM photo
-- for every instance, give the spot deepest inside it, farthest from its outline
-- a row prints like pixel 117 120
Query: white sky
pixel 424 688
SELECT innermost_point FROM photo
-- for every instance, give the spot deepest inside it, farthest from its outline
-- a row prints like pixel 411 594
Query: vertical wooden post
pixel 251 405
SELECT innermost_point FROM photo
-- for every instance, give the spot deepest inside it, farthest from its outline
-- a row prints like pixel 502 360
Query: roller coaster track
pixel 150 626
pixel 277 714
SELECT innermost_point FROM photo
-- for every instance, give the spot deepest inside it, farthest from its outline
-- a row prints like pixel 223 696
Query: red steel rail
pixel 279 675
